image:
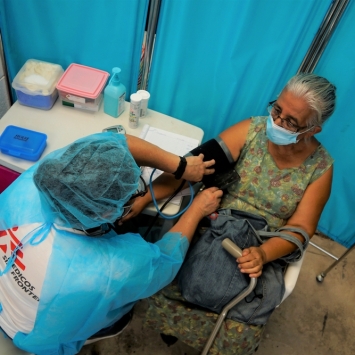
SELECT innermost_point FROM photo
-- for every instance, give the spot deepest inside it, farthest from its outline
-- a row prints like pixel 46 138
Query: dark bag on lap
pixel 210 276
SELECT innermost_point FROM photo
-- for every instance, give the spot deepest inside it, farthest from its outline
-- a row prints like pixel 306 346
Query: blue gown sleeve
pixel 172 252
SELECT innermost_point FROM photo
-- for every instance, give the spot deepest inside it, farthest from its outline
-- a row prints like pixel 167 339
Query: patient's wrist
pixel 263 255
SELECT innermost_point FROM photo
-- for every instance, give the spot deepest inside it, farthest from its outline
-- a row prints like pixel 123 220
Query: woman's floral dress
pixel 264 189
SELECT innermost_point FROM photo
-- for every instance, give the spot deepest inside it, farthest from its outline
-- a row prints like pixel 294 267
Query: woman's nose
pixel 278 120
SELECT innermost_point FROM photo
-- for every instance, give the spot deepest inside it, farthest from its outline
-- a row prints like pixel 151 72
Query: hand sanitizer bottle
pixel 114 95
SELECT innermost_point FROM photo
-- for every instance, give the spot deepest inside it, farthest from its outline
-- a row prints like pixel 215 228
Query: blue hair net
pixel 90 182
pixel 82 185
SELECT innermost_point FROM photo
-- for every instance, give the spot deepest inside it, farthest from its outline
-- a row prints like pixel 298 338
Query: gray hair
pixel 317 91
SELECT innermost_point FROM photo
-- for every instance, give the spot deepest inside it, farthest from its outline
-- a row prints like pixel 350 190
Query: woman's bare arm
pixel 305 217
pixel 235 136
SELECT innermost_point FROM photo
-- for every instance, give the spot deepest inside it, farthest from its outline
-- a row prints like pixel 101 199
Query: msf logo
pixel 14 242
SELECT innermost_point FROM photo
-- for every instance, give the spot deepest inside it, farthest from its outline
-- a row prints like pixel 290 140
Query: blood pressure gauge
pixel 115 129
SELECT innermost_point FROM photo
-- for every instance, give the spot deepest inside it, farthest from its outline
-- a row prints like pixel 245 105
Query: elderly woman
pixel 285 177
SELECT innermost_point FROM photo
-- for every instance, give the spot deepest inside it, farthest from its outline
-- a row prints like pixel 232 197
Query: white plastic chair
pixel 291 276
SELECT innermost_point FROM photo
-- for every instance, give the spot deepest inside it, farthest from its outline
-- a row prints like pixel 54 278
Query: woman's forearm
pixel 276 248
pixel 253 258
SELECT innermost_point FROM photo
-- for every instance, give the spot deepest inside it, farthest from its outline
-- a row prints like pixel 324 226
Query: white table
pixel 63 125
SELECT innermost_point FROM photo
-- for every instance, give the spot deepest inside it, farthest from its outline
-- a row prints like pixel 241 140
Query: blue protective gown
pixel 90 283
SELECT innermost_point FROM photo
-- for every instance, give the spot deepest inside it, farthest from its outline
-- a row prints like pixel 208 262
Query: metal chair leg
pixel 323 274
pixel 236 252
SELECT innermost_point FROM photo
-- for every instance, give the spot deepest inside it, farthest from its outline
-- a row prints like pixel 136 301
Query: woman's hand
pixel 196 168
pixel 252 261
pixel 207 202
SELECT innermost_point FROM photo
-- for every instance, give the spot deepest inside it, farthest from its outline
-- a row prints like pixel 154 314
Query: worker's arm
pixel 173 246
pixel 203 205
pixel 165 185
pixel 147 154
pixel 305 217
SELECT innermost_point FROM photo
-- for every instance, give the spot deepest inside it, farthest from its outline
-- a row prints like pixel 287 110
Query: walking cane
pixel 236 252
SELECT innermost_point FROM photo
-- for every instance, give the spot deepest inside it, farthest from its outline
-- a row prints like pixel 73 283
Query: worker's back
pixel 89 284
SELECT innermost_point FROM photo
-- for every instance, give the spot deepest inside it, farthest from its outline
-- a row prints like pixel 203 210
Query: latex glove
pixel 252 261
pixel 196 168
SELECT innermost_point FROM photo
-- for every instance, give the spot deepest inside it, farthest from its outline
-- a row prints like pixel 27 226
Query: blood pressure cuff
pixel 224 174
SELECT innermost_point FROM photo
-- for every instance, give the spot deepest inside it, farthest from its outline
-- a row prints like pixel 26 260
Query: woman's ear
pixel 312 132
pixel 317 129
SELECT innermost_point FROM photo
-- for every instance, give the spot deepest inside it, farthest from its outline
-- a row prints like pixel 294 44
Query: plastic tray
pixel 22 143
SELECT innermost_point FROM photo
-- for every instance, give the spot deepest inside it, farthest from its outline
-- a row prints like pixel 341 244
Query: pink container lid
pixel 83 81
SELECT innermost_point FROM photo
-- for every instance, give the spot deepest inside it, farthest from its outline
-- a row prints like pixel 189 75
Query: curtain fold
pixel 337 64
pixel 100 34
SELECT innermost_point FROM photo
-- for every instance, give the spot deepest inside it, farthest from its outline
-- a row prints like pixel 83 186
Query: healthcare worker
pixel 65 274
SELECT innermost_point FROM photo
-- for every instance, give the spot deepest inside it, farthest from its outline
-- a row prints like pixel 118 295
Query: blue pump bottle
pixel 114 95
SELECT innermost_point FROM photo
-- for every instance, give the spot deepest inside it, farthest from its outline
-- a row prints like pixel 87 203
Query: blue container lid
pixel 22 143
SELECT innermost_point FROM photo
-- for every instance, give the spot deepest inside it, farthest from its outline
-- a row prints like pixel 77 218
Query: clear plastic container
pixel 35 84
pixel 81 87
pixel 22 143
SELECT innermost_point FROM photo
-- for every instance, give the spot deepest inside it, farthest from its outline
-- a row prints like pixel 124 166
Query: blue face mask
pixel 279 135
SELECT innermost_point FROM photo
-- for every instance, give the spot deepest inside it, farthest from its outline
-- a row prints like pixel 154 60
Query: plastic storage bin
pixel 35 84
pixel 22 143
pixel 81 87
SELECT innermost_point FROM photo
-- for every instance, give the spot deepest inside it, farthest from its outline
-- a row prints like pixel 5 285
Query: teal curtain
pixel 217 62
pixel 338 65
pixel 101 34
